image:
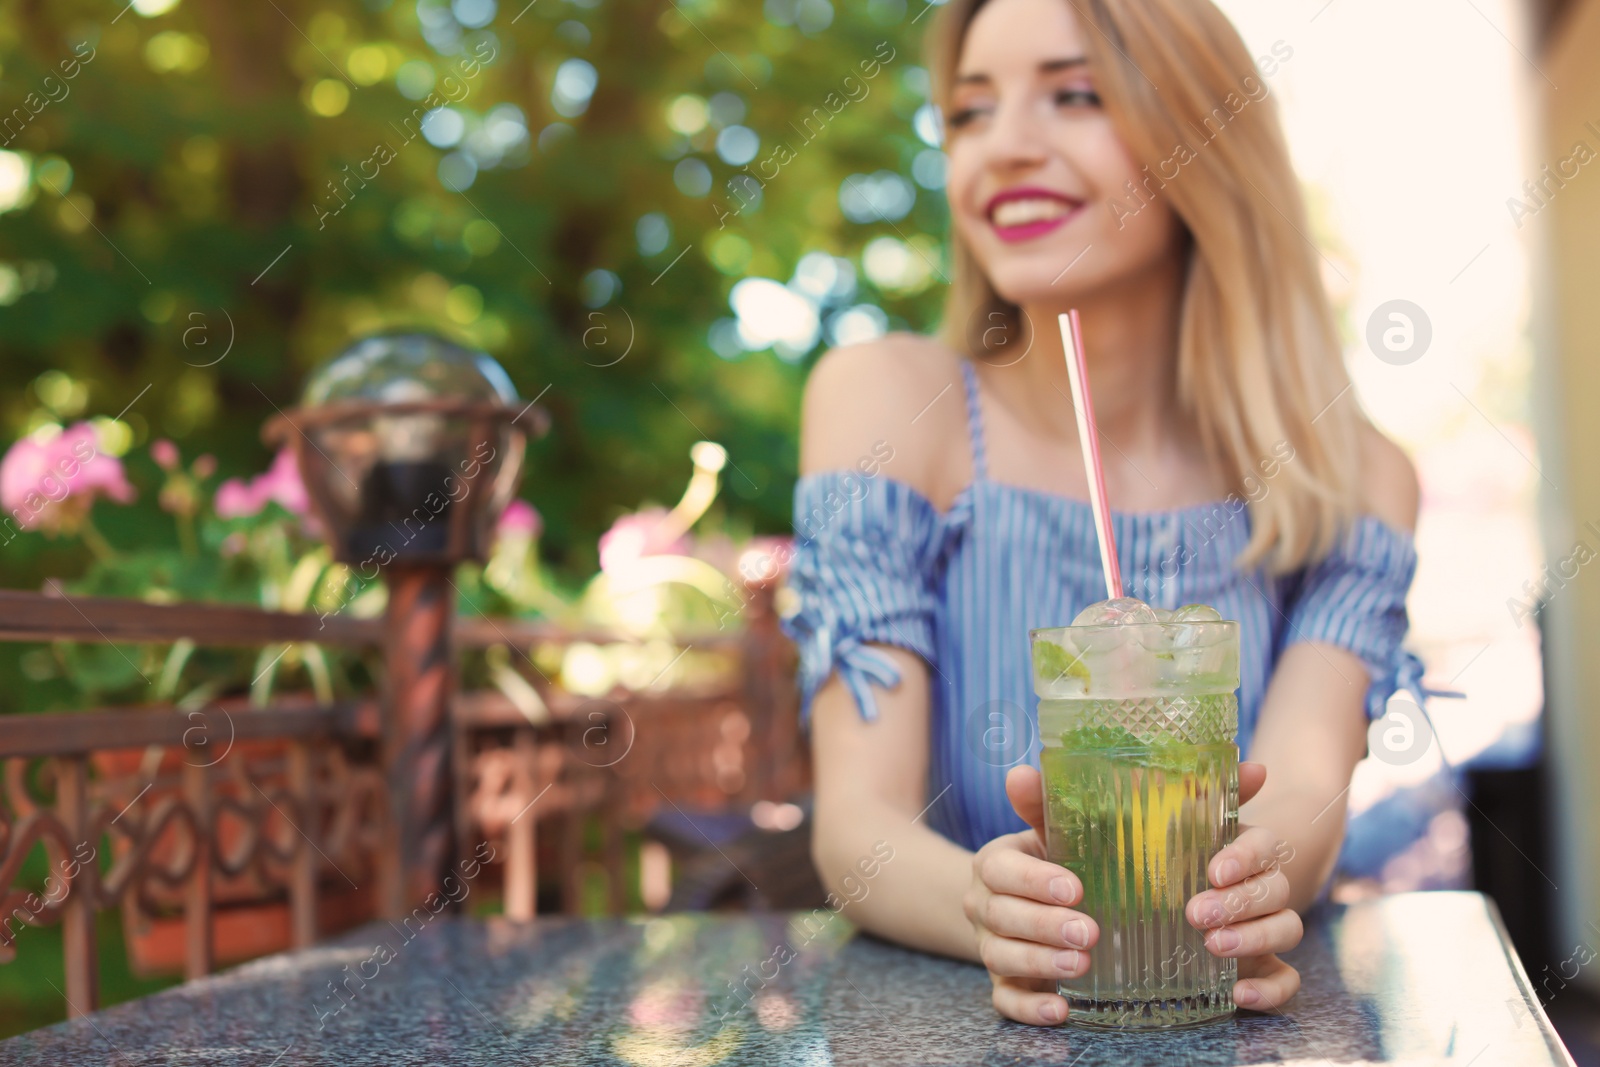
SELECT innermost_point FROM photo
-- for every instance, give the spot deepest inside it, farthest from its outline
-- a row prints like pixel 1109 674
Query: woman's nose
pixel 1016 136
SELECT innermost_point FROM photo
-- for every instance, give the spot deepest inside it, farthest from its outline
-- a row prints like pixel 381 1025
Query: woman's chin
pixel 1061 279
pixel 1035 288
pixel 1048 274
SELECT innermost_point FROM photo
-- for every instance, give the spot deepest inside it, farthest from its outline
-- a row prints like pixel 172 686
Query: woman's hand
pixel 1019 904
pixel 1246 913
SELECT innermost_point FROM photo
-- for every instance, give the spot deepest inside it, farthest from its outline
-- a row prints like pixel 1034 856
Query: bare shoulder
pixel 1389 481
pixel 900 394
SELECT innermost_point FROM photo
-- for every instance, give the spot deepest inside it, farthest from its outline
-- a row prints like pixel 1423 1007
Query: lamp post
pixel 409 449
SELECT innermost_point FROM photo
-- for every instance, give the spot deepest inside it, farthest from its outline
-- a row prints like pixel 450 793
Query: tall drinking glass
pixel 1141 782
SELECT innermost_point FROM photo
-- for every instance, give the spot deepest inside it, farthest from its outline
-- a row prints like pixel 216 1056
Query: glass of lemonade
pixel 1138 716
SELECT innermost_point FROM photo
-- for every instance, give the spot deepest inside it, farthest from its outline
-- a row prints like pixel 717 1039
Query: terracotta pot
pixel 239 932
pixel 231 833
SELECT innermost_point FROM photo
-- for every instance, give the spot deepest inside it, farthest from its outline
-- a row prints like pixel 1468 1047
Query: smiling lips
pixel 1028 212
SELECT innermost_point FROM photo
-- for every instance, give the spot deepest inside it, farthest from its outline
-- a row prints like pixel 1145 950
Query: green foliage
pixel 173 254
pixel 221 195
pixel 268 559
pixel 29 1000
pixel 224 194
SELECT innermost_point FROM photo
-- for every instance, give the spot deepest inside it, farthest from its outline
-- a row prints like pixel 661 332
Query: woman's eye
pixel 1078 97
pixel 962 117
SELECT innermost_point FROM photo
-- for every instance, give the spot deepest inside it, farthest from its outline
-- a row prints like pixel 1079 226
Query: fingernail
pixel 1075 932
pixel 1061 889
pixel 1245 997
pixel 1051 1011
pixel 1068 961
pixel 1210 915
pixel 1225 940
pixel 1228 872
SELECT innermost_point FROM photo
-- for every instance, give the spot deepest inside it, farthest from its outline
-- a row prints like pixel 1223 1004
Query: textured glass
pixel 1141 779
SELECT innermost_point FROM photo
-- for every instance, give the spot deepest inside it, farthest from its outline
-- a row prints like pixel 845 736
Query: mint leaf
pixel 1054 662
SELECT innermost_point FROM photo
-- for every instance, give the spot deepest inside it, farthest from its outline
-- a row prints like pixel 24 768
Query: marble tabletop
pixel 1413 979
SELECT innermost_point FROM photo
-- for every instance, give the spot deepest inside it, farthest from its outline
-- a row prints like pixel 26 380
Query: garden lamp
pixel 410 446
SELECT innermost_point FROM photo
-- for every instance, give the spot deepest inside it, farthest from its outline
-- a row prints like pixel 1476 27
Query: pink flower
pixel 52 483
pixel 280 484
pixel 235 500
pixel 519 519
pixel 634 536
pixel 283 484
pixel 165 453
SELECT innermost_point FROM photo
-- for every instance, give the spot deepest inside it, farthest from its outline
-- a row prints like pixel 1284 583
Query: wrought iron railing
pixel 266 827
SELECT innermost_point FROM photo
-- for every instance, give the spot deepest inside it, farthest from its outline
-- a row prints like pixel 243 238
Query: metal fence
pixel 234 830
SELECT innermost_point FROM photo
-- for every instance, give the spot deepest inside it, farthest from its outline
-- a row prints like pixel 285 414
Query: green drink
pixel 1138 716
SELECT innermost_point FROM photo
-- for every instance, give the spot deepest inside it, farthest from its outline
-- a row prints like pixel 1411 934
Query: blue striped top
pixel 876 562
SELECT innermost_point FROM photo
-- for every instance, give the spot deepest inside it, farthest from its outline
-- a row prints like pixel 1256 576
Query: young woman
pixel 1121 157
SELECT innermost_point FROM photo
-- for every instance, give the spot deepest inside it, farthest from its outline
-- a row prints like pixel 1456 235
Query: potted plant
pixel 243 541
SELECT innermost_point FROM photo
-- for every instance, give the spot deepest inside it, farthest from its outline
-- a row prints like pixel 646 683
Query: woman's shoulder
pixel 1389 487
pixel 891 368
pixel 902 394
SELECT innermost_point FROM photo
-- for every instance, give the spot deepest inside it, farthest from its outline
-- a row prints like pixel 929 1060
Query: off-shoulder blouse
pixel 876 562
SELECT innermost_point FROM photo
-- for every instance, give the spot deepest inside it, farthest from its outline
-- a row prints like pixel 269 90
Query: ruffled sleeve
pixel 864 570
pixel 1355 598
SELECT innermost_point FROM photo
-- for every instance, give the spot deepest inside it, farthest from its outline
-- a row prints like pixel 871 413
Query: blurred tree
pixel 653 213
pixel 201 199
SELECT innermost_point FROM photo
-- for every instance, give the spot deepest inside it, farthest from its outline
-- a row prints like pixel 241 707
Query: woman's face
pixel 1038 175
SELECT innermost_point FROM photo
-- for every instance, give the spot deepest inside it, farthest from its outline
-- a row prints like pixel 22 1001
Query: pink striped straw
pixel 1089 440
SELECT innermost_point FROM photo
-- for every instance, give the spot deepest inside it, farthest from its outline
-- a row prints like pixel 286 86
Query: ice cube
pixel 1123 611
pixel 1107 637
pixel 1162 614
pixel 1199 652
pixel 1163 637
pixel 1192 636
pixel 1197 613
pixel 1222 661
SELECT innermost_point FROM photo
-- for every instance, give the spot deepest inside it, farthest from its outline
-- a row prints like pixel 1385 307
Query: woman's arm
pixel 1005 906
pixel 1311 734
pixel 1312 729
pixel 870 785
pixel 871 776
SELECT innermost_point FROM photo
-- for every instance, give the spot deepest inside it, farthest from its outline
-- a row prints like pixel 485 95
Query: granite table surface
pixel 1415 978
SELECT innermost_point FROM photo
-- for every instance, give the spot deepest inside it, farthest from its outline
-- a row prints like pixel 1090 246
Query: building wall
pixel 1566 327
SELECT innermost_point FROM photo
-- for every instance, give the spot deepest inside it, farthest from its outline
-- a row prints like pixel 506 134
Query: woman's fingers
pixel 1061 928
pixel 1248 879
pixel 1025 790
pixel 1255 850
pixel 1029 1001
pixel 1010 958
pixel 1252 776
pixel 1012 871
pixel 1265 983
pixel 1258 895
pixel 1278 932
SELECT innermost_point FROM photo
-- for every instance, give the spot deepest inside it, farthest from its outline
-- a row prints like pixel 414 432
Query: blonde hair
pixel 1259 361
